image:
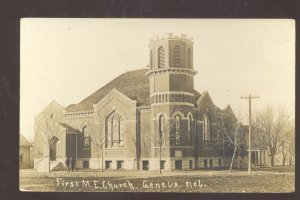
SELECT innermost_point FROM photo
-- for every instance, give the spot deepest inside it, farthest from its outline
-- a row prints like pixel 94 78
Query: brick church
pixel 144 119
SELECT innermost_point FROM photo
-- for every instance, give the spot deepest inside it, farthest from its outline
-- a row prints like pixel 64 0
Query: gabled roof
pixel 134 84
pixel 202 96
pixel 70 106
pixel 24 141
pixel 228 110
pixel 52 107
pixel 218 110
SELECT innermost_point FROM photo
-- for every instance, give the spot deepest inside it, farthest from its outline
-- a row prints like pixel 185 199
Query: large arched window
pixel 114 136
pixel 206 128
pixel 176 56
pixel 162 136
pixel 161 57
pixel 189 58
pixel 177 129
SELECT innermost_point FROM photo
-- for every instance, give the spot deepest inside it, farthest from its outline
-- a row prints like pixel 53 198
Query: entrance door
pixel 71 145
pixel 53 148
pixel 53 154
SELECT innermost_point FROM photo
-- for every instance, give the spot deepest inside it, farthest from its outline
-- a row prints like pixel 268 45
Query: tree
pixel 47 126
pixel 234 135
pixel 107 129
pixel 288 148
pixel 166 129
pixel 98 136
pixel 162 126
pixel 271 129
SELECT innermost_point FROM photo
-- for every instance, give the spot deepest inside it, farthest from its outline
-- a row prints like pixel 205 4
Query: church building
pixel 144 119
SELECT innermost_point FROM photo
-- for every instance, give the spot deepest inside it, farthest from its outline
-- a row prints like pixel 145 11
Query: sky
pixel 66 60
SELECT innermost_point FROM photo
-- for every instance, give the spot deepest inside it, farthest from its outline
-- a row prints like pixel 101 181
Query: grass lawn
pixel 188 181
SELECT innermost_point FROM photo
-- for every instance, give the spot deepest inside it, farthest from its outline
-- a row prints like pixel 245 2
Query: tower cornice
pixel 171 36
pixel 161 71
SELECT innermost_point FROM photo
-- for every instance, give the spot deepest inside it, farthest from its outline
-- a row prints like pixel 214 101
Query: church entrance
pixel 53 148
pixel 71 145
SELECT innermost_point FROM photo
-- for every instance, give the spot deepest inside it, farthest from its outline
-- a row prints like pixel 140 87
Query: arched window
pixel 189 58
pixel 115 130
pixel 161 57
pixel 176 56
pixel 206 128
pixel 86 137
pixel 121 134
pixel 190 125
pixel 162 136
pixel 114 136
pixel 108 134
pixel 151 60
pixel 177 129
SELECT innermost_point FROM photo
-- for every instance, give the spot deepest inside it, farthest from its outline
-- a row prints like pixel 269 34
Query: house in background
pixel 25 150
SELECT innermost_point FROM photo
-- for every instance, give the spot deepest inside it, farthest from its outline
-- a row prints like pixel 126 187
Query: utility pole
pixel 102 158
pixel 249 98
pixel 160 143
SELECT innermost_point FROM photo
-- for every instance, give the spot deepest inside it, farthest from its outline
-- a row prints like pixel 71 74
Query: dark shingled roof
pixel 69 128
pixel 134 84
pixel 218 110
pixel 70 106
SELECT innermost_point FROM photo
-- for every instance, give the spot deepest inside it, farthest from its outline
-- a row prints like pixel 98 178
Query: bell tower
pixel 171 64
pixel 171 77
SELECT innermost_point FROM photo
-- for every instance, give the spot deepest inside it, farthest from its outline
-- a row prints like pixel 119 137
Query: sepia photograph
pixel 157 105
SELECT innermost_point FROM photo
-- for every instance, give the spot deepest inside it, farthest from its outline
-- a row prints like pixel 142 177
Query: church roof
pixel 218 110
pixel 228 110
pixel 24 141
pixel 69 128
pixel 134 84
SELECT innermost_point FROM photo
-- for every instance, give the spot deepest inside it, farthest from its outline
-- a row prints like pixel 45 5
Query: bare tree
pixel 159 139
pixel 271 129
pixel 167 125
pixel 97 133
pixel 234 135
pixel 164 128
pixel 288 148
pixel 47 126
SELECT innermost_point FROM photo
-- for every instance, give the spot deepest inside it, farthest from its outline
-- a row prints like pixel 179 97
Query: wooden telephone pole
pixel 249 98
